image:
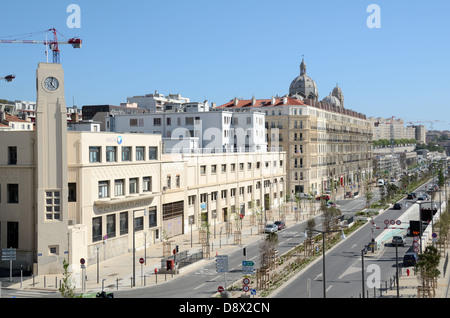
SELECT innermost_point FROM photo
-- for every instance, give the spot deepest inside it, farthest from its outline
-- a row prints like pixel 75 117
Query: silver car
pixel 271 228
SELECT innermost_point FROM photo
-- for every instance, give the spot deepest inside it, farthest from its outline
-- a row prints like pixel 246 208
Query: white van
pixel 380 182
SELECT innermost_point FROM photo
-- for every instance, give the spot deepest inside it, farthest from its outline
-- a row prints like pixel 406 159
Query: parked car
pixel 348 194
pixel 325 197
pixel 271 228
pixel 304 196
pixel 397 206
pixel 399 240
pixel 410 259
pixel 281 225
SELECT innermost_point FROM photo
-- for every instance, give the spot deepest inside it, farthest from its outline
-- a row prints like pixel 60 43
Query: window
pixel 118 187
pixel 214 196
pixel 177 181
pixel 111 154
pixel 123 223
pixel 203 197
pixel 233 192
pixel 72 192
pixel 202 170
pixel 233 167
pixel 94 154
pixel 111 225
pixel 97 229
pixel 213 169
pixel 103 189
pixel 241 190
pixel 191 199
pixel 12 235
pixel 241 166
pixel 12 155
pixel 139 223
pixel 133 186
pixel 152 153
pixel 126 153
pixel 147 184
pixel 157 121
pixel 12 193
pixel 169 181
pixel 152 217
pixel 224 168
pixel 52 205
pixel 223 194
pixel 140 153
pixel 133 121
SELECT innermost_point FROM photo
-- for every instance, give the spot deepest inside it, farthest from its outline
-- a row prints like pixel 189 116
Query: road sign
pixel 220 289
pixel 248 263
pixel 416 250
pixel 221 263
pixel 416 238
pixel 246 288
pixel 141 260
pixel 386 222
pixel 8 254
pixel 434 235
pixel 253 292
pixel 246 281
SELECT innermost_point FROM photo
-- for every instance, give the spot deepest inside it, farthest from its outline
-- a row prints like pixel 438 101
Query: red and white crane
pixel 53 44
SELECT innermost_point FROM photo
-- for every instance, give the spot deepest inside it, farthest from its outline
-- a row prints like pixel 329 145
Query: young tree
pixel 66 289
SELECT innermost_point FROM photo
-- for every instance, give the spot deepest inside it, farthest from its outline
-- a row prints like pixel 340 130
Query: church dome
pixel 337 92
pixel 331 100
pixel 304 85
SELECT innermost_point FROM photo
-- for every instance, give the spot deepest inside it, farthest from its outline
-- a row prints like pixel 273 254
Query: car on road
pixel 422 198
pixel 410 259
pixel 304 195
pixel 280 224
pixel 397 206
pixel 331 204
pixel 325 197
pixel 399 240
pixel 271 228
pixel 348 194
pixel 412 196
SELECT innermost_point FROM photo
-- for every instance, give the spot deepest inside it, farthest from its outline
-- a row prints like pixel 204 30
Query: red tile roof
pixel 261 103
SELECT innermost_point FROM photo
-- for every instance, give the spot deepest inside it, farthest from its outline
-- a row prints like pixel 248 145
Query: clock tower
pixel 51 169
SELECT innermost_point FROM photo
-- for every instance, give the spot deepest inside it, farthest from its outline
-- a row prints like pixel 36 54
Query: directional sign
pixel 8 254
pixel 221 263
pixel 248 263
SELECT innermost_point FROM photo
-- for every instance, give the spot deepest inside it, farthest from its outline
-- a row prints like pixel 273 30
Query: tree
pixel 368 193
pixel 427 266
pixel 66 289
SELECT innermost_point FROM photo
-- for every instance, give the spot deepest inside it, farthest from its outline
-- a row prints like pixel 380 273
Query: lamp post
pixel 323 251
pixel 8 78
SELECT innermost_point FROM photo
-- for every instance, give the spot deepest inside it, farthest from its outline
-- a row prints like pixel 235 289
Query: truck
pixel 427 211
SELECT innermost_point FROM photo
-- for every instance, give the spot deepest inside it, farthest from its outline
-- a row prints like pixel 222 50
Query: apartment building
pixel 216 130
pixel 327 146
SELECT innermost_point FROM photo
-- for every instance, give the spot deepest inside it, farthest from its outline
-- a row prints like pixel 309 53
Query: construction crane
pixel 426 122
pixel 53 44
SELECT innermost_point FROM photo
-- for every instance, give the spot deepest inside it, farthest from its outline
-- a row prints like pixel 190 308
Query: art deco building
pixel 327 146
pixel 68 195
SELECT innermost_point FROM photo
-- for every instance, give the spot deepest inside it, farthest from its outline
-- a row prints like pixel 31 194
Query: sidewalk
pixel 116 274
pixel 408 283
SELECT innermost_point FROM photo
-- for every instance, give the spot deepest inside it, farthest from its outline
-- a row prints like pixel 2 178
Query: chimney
pixel 273 100
pixel 236 101
pixel 284 100
pixel 253 101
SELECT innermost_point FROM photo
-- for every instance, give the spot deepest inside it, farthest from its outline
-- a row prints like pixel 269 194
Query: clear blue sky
pixel 218 50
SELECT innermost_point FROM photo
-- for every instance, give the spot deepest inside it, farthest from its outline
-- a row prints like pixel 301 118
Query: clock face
pixel 51 83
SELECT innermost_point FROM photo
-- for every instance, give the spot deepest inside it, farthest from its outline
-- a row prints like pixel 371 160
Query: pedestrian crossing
pixel 15 293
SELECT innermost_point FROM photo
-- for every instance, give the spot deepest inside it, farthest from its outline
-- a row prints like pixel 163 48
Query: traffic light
pixel 244 251
pixel 176 248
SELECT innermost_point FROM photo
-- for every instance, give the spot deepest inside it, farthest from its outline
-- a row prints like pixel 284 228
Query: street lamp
pixel 323 251
pixel 8 78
